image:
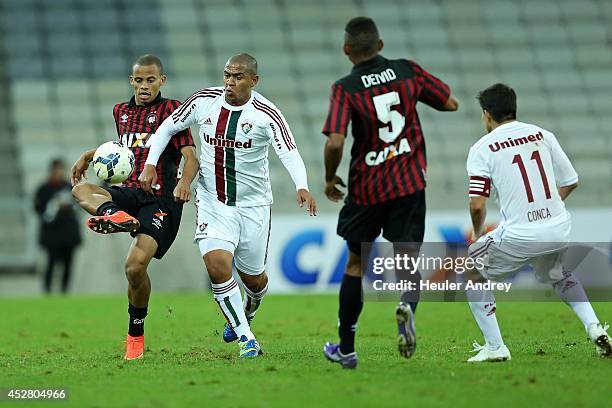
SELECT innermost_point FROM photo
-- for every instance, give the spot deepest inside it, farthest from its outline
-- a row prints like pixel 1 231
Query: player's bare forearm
pixel 478 213
pixel 333 155
pixel 182 191
pixel 191 165
pixel 567 190
pixel 79 168
pixel 88 155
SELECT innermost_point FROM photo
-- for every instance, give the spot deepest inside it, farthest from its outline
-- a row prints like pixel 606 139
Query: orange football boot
pixel 134 347
pixel 119 221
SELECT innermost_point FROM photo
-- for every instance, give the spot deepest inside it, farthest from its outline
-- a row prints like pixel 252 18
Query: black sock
pixel 412 297
pixel 351 303
pixel 137 316
pixel 107 208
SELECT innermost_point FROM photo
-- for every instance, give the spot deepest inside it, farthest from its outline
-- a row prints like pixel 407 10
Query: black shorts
pixel 159 217
pixel 401 220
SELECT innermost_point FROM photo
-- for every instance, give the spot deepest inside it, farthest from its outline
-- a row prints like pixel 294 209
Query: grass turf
pixel 75 343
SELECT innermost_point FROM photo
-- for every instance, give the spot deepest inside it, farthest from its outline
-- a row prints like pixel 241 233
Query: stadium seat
pixel 104 42
pixel 597 79
pixel 100 19
pixel 548 35
pixel 594 56
pixel 562 79
pixel 468 35
pixel 68 66
pixel 22 44
pixel 539 11
pixel 465 12
pixel 555 57
pixel 507 34
pixel 384 13
pixel 19 21
pixel 582 10
pixel 563 103
pixel 271 40
pixel 66 20
pixel 500 12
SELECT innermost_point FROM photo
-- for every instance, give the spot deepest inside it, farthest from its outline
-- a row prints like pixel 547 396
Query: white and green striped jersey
pixel 234 145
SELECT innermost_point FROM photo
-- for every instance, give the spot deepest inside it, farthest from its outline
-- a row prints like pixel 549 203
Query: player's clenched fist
pixel 148 178
pixel 331 191
pixel 182 191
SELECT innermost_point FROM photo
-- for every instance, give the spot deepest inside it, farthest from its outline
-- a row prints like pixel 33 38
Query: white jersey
pixel 523 165
pixel 234 145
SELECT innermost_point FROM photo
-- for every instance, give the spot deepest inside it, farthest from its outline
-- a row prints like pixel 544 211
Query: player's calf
pixel 255 288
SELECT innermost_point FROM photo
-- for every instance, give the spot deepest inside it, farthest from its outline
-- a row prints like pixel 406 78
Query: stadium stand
pixel 66 63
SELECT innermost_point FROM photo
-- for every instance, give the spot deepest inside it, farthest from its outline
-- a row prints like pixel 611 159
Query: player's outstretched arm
pixel 182 191
pixel 79 168
pixel 293 162
pixel 332 157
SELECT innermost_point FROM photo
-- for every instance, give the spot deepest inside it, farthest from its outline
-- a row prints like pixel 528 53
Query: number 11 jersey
pixel 523 165
pixel 379 97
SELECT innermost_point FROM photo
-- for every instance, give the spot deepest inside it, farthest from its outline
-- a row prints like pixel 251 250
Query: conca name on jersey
pixel 221 141
pixel 374 157
pixel 136 139
pixel 383 77
pixel 495 147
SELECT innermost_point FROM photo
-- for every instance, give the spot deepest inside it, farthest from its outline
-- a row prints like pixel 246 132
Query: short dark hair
pixel 249 62
pixel 500 101
pixel 150 59
pixel 361 35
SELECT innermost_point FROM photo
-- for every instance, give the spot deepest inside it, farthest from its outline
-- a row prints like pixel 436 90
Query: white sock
pixel 252 300
pixel 570 290
pixel 482 304
pixel 228 298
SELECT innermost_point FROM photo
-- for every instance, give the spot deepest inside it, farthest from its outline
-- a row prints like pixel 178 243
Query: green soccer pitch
pixel 75 343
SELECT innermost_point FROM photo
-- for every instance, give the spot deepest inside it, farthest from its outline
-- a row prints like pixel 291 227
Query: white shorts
pixel 243 231
pixel 502 260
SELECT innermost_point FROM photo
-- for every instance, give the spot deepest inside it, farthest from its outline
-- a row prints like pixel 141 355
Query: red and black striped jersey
pixel 379 98
pixel 135 125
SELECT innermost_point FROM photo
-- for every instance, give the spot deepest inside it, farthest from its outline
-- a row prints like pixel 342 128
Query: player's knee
pixel 219 269
pixel 80 191
pixel 135 269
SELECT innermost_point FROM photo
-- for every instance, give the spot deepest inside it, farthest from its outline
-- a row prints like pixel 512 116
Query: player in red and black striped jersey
pixel 388 164
pixel 153 219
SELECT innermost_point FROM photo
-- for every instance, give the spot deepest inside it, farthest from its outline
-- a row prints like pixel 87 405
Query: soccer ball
pixel 113 162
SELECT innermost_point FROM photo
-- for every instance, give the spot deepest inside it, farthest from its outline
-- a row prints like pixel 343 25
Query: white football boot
pixel 487 354
pixel 598 335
